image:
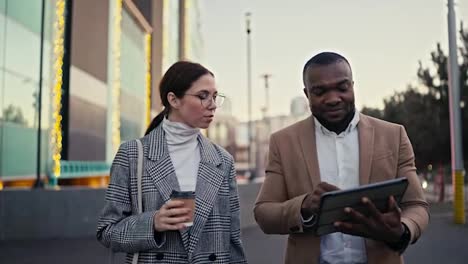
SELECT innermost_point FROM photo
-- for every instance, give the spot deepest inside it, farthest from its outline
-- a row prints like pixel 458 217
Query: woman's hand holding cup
pixel 172 216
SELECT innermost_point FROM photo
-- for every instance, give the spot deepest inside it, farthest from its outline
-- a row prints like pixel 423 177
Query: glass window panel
pixel 133 80
pixel 19 82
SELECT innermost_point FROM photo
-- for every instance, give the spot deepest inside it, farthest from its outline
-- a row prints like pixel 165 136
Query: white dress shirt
pixel 338 158
pixel 182 141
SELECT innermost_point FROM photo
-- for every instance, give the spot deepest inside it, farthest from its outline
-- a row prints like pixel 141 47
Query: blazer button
pixel 160 256
pixel 294 229
pixel 212 257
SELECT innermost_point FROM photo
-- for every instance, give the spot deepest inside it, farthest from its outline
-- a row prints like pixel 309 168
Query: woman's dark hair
pixel 177 79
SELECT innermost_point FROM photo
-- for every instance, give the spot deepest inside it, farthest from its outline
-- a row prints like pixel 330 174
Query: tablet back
pixel 332 204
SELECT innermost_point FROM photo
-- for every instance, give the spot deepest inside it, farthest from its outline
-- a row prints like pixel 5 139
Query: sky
pixel 383 41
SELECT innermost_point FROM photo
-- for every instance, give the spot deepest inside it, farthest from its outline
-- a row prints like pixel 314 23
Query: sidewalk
pixel 442 242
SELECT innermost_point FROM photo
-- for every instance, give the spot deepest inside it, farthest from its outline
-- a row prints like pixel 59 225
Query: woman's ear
pixel 173 100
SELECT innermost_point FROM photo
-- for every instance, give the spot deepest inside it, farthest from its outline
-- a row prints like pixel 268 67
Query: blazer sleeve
pixel 237 254
pixel 415 212
pixel 117 227
pixel 274 211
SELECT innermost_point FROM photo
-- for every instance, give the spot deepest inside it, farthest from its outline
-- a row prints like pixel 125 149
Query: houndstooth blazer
pixel 215 234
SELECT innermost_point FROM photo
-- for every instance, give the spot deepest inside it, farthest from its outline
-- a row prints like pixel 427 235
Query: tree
pixel 424 110
pixel 14 114
pixel 375 112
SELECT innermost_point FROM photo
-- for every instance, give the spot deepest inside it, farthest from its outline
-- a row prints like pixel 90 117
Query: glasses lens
pixel 219 100
pixel 206 102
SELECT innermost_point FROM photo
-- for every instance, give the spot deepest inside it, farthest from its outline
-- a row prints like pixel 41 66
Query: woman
pixel 176 157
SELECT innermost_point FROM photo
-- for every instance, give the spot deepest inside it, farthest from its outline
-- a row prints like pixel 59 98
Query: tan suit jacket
pixel 385 152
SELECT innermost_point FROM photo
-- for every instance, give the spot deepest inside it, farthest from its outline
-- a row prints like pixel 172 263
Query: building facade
pixel 101 65
pixel 261 131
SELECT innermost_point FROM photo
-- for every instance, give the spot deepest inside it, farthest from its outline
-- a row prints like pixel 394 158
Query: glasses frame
pixel 210 100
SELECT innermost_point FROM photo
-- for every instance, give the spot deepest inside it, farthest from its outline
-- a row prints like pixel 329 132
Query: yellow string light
pixel 56 131
pixel 148 78
pixel 116 47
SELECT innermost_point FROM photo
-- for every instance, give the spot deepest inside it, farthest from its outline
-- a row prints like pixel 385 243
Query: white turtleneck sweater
pixel 184 151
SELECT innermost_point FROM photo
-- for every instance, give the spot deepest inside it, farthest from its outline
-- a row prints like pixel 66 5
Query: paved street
pixel 443 242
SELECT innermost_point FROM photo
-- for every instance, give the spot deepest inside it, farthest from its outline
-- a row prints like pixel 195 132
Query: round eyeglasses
pixel 207 100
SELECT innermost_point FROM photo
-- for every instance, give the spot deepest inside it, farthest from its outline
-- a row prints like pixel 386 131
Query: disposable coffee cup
pixel 188 197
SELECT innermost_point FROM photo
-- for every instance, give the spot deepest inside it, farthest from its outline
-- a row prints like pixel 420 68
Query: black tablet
pixel 332 204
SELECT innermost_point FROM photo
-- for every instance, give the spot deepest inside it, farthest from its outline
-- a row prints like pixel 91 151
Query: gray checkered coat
pixel 215 234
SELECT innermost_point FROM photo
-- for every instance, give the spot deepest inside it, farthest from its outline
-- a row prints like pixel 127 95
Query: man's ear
pixel 173 100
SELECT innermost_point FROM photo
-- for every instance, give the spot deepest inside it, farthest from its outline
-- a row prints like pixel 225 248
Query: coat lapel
pixel 209 179
pixel 161 170
pixel 366 149
pixel 309 149
pixel 160 167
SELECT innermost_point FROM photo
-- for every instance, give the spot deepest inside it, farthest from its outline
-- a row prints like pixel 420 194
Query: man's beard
pixel 340 126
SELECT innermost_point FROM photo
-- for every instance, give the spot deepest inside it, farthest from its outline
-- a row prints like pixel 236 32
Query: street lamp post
pixel 266 77
pixel 249 90
pixel 458 171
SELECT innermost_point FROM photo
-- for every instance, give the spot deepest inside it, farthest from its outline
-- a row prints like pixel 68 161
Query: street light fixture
pixel 249 90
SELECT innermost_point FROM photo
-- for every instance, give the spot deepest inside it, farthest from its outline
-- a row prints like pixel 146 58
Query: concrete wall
pixel 72 212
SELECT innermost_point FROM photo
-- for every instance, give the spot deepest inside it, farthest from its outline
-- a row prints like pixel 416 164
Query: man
pixel 339 148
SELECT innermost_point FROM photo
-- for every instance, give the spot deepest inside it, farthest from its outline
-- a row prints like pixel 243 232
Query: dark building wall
pixel 89 59
pixel 90 37
pixel 89 53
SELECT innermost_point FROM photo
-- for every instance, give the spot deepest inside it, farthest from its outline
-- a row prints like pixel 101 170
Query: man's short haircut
pixel 322 59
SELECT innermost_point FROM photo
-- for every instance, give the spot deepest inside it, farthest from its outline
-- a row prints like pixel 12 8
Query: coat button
pixel 294 229
pixel 212 257
pixel 159 256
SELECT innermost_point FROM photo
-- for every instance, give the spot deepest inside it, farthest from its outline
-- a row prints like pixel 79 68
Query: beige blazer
pixel 385 152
